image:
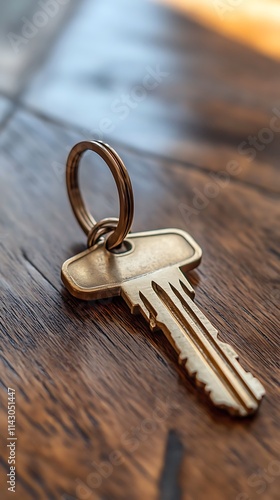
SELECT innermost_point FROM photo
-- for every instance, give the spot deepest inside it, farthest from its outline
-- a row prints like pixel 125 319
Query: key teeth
pixel 234 402
pixel 256 385
pixel 236 411
pixel 232 405
pixel 229 351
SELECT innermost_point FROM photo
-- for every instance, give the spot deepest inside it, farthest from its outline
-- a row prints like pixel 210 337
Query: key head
pixel 98 273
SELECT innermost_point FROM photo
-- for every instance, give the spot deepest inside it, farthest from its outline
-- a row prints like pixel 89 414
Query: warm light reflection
pixel 253 22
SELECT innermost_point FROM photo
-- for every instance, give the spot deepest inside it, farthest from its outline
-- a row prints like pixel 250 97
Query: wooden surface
pixel 103 409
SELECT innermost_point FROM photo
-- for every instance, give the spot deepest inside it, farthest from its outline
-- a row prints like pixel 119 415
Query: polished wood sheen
pixel 103 409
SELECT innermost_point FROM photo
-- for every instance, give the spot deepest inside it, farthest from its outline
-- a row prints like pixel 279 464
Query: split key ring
pixel 119 228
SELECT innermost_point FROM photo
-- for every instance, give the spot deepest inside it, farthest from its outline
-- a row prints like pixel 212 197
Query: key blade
pixel 165 300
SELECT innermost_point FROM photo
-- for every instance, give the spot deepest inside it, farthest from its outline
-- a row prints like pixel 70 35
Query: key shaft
pixel 165 299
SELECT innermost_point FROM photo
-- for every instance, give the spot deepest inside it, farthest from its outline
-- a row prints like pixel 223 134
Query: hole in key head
pixel 124 248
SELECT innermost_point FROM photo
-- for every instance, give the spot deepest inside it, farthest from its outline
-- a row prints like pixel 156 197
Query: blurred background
pixel 156 75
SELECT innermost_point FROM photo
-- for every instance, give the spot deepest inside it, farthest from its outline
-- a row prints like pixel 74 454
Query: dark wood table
pixel 103 410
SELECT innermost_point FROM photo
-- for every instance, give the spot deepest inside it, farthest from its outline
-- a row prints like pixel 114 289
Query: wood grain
pixel 103 409
pixel 88 379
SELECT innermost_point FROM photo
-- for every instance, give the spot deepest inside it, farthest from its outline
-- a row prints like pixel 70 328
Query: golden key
pixel 144 268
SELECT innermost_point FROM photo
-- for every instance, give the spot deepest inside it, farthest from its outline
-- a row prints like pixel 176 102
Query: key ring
pixel 94 230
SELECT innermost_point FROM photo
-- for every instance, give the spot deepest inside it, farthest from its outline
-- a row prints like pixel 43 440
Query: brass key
pixel 147 276
pixel 145 270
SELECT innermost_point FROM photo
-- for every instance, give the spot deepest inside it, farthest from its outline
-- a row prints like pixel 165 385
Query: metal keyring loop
pixel 102 227
pixel 122 179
